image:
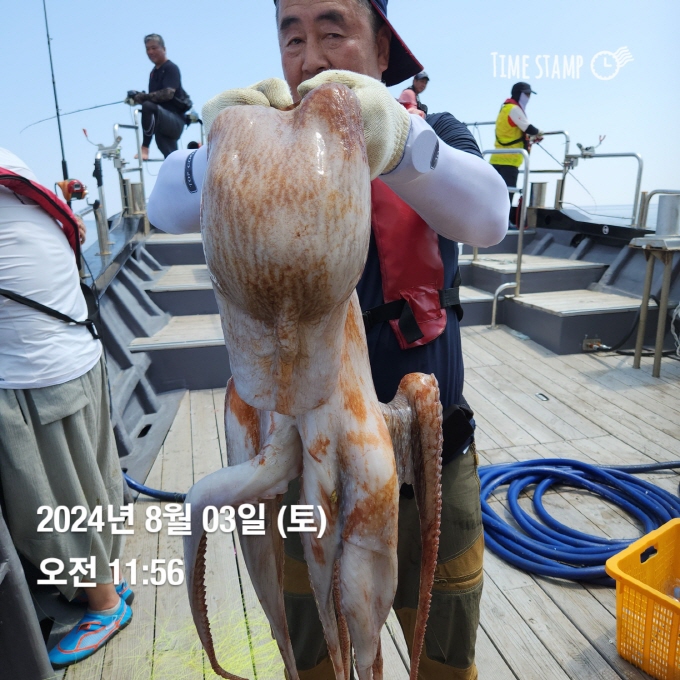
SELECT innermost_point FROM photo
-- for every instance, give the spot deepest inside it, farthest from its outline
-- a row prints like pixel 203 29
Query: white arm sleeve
pixel 462 198
pixel 175 202
pixel 518 117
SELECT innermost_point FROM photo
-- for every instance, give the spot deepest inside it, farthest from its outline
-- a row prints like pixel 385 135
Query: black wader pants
pixel 165 125
pixel 510 173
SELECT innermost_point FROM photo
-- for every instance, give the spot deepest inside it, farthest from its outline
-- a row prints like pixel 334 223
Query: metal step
pixel 184 289
pixel 171 249
pixel 539 273
pixel 580 302
pixel 507 245
pixel 562 320
pixel 187 353
pixel 476 306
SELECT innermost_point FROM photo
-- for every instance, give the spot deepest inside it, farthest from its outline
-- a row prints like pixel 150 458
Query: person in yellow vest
pixel 513 130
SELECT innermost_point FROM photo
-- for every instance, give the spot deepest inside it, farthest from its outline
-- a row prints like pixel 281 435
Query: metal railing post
pixel 522 222
pixel 139 155
pixel 523 211
pixel 638 186
pixel 565 134
pixel 494 306
pixel 647 199
pixel 102 231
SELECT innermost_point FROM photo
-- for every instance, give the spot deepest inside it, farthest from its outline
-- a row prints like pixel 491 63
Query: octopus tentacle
pixel 378 665
pixel 199 607
pixel 245 428
pixel 321 556
pixel 343 630
pixel 423 440
pixel 260 477
pixel 264 557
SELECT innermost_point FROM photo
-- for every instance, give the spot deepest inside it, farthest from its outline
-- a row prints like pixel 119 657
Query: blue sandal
pixel 90 635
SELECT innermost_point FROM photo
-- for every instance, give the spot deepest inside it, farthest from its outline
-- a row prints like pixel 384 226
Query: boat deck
pixel 580 302
pixel 598 409
pixel 506 263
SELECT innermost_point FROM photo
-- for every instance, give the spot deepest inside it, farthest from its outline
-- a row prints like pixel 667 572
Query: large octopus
pixel 285 218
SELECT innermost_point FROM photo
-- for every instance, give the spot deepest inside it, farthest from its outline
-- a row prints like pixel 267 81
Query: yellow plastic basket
pixel 648 620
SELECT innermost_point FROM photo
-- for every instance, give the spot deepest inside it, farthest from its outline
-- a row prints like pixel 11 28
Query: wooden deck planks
pixel 610 411
pixel 223 578
pixel 177 652
pixel 130 654
pixel 599 410
pixel 556 632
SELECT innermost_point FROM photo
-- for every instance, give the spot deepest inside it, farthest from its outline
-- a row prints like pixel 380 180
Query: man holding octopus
pixel 434 189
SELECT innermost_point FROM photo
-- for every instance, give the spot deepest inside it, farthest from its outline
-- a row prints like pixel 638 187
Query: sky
pixel 599 67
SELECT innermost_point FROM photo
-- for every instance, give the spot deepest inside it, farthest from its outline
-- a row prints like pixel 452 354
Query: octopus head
pixel 286 225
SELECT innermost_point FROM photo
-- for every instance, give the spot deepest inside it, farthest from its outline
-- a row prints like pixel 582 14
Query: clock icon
pixel 605 65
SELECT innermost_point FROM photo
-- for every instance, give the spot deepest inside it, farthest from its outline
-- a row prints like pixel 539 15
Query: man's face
pixel 155 52
pixel 318 35
pixel 419 85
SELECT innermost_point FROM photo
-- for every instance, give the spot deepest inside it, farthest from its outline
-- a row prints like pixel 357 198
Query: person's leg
pixel 169 128
pixel 450 637
pixel 166 145
pixel 102 596
pixel 57 448
pixel 510 175
pixel 149 115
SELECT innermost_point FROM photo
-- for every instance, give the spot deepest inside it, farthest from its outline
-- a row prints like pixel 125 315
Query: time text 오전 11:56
pixel 158 574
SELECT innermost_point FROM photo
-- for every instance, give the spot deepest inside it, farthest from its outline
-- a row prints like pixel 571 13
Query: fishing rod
pixel 89 108
pixel 64 167
pixel 569 172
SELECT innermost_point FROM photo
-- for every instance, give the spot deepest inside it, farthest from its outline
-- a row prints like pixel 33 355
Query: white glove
pixel 386 121
pixel 271 92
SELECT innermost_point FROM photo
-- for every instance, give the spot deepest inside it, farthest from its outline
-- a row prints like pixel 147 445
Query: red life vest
pixel 411 268
pixel 48 201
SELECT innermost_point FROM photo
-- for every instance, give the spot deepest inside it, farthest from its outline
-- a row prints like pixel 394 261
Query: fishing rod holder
pixel 571 161
pixel 131 206
pixel 133 196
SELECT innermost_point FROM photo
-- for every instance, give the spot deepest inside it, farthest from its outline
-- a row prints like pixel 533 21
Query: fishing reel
pixel 72 189
pixel 586 152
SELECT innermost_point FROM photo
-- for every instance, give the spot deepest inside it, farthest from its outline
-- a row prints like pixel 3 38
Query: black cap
pixel 402 64
pixel 519 88
pixel 421 76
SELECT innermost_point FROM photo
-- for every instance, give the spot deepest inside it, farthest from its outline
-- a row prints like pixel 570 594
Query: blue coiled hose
pixel 550 548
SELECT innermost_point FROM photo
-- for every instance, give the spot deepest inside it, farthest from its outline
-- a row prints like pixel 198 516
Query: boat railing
pixel 520 223
pixel 571 161
pixel 128 200
pixel 646 200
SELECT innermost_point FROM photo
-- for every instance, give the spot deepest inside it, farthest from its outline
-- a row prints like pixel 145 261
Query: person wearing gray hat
pixel 434 177
pixel 420 82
